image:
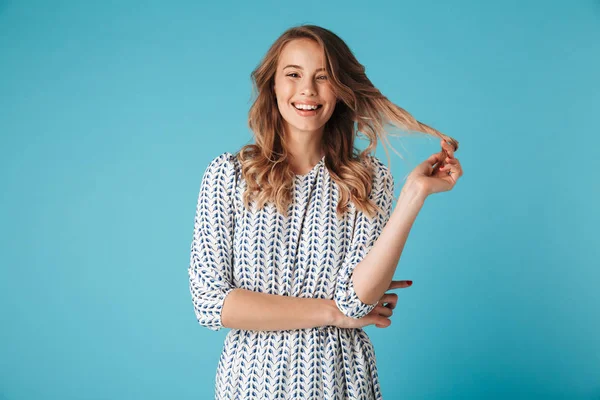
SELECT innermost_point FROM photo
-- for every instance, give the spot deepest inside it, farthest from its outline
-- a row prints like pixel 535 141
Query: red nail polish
pixel 409 282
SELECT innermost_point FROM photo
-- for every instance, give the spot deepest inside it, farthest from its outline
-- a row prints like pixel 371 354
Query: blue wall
pixel 111 111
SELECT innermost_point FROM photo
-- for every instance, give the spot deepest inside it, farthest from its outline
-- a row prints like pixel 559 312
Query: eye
pixel 294 74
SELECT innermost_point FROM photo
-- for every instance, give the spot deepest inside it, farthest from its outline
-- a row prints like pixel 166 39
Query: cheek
pixel 283 89
pixel 330 112
pixel 330 96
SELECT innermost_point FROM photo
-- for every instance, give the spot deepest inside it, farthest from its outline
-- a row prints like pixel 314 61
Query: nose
pixel 308 88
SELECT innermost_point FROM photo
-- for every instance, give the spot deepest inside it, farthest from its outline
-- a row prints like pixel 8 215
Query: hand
pixel 430 178
pixel 380 315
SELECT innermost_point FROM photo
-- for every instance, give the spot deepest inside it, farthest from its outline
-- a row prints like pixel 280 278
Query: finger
pixel 448 147
pixel 399 284
pixel 450 160
pixel 449 180
pixel 383 323
pixel 454 168
pixel 444 172
pixel 457 166
pixel 390 305
pixel 389 300
pixel 381 310
pixel 434 158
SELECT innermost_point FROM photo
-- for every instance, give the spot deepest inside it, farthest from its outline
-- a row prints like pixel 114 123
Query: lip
pixel 308 113
pixel 307 102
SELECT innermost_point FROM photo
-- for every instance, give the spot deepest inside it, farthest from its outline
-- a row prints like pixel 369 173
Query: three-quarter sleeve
pixel 211 259
pixel 366 232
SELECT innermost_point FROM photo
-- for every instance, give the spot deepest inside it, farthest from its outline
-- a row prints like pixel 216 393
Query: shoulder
pixel 224 164
pixel 225 160
pixel 221 171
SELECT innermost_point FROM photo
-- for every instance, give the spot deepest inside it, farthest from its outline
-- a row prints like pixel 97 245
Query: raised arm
pixel 373 275
pixel 353 297
pixel 217 302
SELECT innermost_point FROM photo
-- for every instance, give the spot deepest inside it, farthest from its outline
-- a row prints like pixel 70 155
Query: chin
pixel 309 127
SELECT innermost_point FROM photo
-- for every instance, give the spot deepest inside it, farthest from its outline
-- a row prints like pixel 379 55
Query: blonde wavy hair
pixel 362 108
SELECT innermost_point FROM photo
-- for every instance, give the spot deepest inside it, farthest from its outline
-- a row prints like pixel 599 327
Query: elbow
pixel 208 315
pixel 347 299
pixel 352 312
pixel 208 306
pixel 350 305
pixel 369 298
pixel 209 321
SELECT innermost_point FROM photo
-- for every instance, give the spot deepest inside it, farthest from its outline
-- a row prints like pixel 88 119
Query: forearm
pixel 246 309
pixel 373 275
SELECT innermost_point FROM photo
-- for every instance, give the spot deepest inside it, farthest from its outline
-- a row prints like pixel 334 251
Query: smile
pixel 306 110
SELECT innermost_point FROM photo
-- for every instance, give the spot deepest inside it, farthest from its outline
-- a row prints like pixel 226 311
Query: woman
pixel 295 242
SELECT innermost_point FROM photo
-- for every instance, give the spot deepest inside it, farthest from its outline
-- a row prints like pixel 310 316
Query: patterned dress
pixel 308 254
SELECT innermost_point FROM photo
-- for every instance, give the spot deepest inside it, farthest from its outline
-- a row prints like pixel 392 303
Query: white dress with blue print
pixel 308 254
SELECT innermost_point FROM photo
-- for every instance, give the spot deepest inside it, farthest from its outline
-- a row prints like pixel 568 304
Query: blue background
pixel 111 111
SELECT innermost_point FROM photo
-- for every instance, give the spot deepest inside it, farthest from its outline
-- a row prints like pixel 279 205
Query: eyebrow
pixel 299 67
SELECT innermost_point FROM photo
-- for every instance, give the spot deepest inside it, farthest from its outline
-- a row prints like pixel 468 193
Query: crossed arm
pixel 364 276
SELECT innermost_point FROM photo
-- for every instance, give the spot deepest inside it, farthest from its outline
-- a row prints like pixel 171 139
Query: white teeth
pixel 305 107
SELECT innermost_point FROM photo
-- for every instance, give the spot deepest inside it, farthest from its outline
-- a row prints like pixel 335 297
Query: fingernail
pixel 410 282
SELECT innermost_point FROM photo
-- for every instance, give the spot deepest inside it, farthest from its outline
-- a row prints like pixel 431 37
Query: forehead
pixel 303 52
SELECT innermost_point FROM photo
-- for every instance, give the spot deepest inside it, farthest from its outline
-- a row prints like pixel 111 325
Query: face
pixel 301 83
